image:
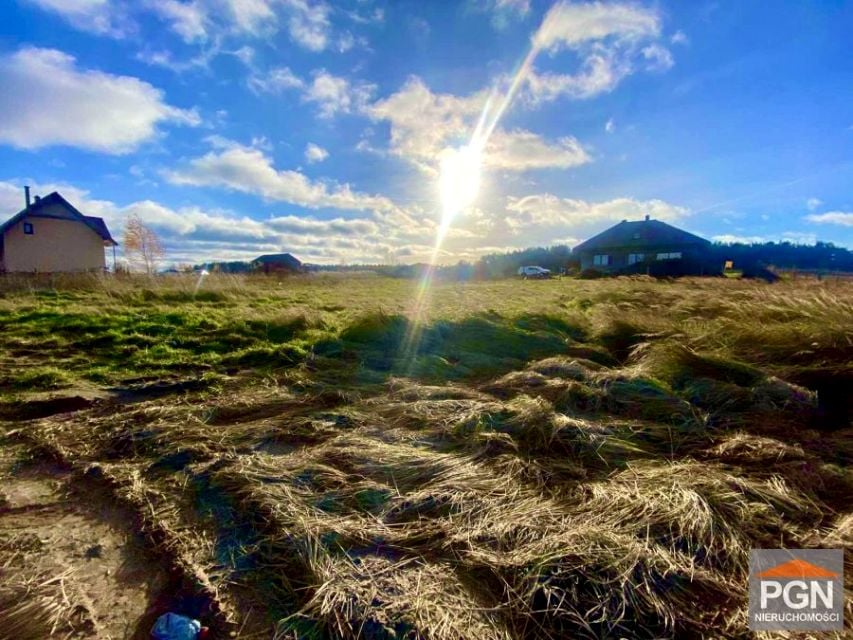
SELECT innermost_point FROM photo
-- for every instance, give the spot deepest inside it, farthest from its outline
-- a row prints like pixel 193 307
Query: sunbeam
pixel 458 188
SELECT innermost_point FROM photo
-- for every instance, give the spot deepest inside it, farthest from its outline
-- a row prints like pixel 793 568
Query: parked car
pixel 534 272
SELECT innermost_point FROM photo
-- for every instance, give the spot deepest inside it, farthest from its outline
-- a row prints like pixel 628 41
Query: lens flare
pixel 458 186
pixel 201 276
pixel 460 179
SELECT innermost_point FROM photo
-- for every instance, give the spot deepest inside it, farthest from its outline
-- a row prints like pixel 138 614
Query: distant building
pixel 647 246
pixel 277 263
pixel 51 236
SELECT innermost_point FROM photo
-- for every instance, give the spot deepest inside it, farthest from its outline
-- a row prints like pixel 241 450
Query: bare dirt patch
pixel 71 568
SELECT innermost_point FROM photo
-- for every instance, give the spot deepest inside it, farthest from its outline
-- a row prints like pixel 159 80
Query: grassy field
pixel 342 456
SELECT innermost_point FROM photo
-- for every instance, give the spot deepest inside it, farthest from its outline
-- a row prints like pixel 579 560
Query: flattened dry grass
pixel 548 459
pixel 35 608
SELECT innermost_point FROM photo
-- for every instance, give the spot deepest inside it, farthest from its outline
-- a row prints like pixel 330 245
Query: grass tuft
pixel 553 459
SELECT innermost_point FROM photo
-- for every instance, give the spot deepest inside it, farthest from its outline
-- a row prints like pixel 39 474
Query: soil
pixel 107 584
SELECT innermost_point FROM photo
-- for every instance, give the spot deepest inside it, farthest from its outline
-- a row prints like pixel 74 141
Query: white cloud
pixel 244 54
pixel 102 17
pixel 192 234
pixel 658 58
pixel 250 15
pixel 376 16
pixel 600 72
pixel 334 94
pixel 187 221
pixel 504 12
pixel 275 81
pixel 610 125
pixel 795 237
pixel 195 234
pixel 346 42
pixel 11 199
pixel 187 19
pixel 844 218
pixel 307 21
pixel 56 103
pixel 571 25
pixel 813 203
pixel 343 226
pixel 166 59
pixel 249 170
pixel 315 153
pixel 800 237
pixel 521 7
pixel 679 37
pixel 309 24
pixel 729 238
pixel 612 41
pixel 520 150
pixel 548 210
pixel 424 125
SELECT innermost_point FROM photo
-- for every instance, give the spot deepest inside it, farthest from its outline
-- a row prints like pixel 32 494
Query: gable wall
pixel 56 245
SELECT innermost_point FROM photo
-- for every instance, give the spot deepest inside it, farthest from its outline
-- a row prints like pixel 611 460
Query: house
pixel 647 246
pixel 51 236
pixel 277 263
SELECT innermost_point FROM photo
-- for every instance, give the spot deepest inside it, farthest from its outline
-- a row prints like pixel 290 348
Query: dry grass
pixel 601 486
pixel 35 608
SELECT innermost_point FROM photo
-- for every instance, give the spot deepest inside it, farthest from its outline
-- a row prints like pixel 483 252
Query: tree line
pixel 820 257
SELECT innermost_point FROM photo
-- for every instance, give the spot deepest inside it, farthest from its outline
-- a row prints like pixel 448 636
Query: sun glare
pixel 460 180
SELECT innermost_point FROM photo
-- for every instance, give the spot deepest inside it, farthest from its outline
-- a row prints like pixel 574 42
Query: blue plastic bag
pixel 171 626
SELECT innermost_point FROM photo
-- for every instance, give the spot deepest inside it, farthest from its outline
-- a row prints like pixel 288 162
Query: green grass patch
pixel 37 379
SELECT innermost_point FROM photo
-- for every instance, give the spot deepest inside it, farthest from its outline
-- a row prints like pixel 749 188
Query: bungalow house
pixel 647 246
pixel 51 236
pixel 277 263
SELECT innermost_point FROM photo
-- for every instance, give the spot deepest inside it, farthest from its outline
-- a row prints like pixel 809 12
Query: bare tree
pixel 142 247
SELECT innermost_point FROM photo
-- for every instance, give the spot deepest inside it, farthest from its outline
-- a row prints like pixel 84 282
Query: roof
pixel 639 234
pixel 278 258
pixel 95 224
pixel 100 227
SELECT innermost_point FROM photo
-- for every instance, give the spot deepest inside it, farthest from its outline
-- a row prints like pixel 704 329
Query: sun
pixel 459 182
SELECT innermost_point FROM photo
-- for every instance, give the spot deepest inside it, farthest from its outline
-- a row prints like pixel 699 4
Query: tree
pixel 142 247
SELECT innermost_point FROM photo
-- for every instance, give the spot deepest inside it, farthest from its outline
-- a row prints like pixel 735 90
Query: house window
pixel 28 228
pixel 634 258
pixel 601 260
pixel 672 255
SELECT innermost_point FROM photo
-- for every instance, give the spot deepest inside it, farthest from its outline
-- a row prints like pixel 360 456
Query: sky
pixel 236 128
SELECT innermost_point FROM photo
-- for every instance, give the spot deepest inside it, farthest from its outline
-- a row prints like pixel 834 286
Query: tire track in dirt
pixel 130 568
pixel 70 564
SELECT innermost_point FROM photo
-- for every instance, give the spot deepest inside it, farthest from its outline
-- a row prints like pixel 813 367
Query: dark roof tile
pixel 639 234
pixel 274 258
pixel 100 226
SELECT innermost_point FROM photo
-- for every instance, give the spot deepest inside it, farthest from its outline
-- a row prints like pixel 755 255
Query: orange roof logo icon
pixel 797 569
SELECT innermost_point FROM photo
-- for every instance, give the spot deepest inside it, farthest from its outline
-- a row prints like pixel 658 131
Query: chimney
pixel 27 196
pixel 37 198
pixel 647 217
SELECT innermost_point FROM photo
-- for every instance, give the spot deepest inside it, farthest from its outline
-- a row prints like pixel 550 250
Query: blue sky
pixel 240 127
